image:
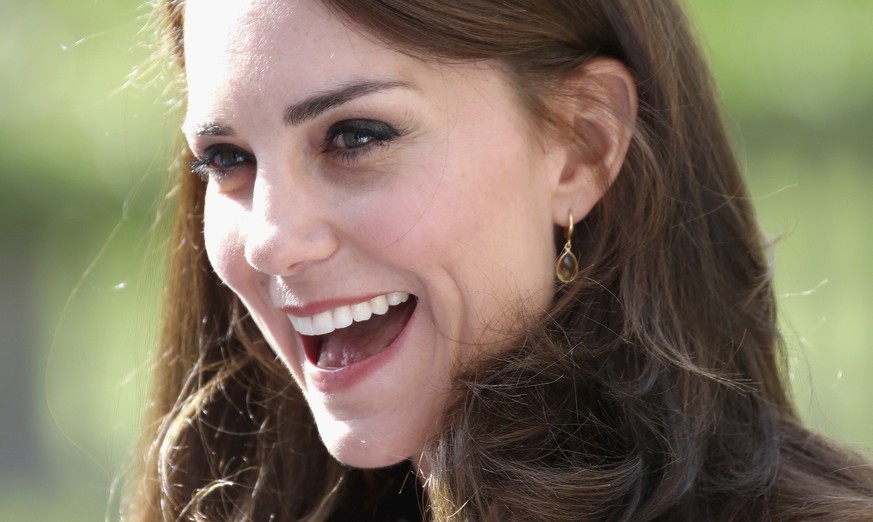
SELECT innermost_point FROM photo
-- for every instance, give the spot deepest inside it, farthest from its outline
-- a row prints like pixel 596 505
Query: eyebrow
pixel 212 128
pixel 319 103
pixel 312 106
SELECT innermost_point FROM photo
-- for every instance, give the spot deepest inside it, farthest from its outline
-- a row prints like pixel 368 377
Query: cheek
pixel 475 229
pixel 223 240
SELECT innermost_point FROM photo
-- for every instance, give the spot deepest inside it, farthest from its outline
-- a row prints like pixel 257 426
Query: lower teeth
pixel 365 339
pixel 334 360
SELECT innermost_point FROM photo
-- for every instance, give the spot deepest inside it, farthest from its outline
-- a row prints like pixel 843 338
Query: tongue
pixel 365 339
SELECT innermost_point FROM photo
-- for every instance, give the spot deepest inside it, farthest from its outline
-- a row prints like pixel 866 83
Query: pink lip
pixel 334 380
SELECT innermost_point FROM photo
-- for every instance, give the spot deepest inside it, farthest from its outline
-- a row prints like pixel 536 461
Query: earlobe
pixel 603 107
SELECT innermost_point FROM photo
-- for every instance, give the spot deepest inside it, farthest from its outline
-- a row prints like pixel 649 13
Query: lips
pixel 348 334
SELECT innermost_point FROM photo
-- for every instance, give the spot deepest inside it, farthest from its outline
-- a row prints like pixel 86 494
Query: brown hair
pixel 654 392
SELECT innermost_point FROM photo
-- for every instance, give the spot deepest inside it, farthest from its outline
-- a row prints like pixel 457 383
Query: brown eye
pixel 219 160
pixel 354 139
pixel 227 159
pixel 348 139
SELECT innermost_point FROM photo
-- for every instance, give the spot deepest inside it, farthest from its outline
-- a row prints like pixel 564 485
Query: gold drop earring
pixel 567 266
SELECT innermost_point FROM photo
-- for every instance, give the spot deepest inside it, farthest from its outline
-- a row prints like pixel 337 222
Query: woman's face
pixel 384 219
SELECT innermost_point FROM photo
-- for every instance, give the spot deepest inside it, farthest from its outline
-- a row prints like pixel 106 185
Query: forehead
pixel 248 60
pixel 235 46
pixel 222 31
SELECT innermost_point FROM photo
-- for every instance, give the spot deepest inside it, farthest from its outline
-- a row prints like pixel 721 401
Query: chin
pixel 360 452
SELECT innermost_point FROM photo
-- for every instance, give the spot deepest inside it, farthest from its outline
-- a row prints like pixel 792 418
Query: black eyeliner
pixel 203 167
pixel 380 132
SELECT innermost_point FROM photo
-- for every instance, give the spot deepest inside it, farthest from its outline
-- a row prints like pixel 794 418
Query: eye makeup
pixel 349 141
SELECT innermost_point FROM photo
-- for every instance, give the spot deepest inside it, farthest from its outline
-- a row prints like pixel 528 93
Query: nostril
pixel 287 250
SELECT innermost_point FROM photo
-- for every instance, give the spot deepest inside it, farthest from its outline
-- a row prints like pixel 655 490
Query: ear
pixel 602 110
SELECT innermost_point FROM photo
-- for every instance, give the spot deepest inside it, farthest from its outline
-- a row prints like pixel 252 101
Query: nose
pixel 286 229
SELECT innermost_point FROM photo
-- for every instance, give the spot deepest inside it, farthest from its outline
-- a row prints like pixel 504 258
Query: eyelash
pixel 375 133
pixel 372 133
pixel 205 167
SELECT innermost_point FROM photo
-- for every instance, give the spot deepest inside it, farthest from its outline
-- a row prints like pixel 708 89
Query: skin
pixel 457 209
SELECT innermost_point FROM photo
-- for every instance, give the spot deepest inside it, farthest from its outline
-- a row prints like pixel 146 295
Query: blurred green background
pixel 83 154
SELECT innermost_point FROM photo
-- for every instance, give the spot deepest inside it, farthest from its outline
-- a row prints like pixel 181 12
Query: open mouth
pixel 345 335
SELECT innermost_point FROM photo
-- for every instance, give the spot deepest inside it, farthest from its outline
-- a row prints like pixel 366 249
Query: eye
pixel 350 140
pixel 219 160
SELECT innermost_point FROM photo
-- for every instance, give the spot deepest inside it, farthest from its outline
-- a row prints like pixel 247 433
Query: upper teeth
pixel 343 316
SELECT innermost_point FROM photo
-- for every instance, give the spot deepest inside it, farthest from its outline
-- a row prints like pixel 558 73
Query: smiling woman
pixel 369 188
pixel 365 295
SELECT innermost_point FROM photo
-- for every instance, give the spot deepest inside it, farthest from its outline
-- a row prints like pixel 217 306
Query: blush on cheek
pixel 225 247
